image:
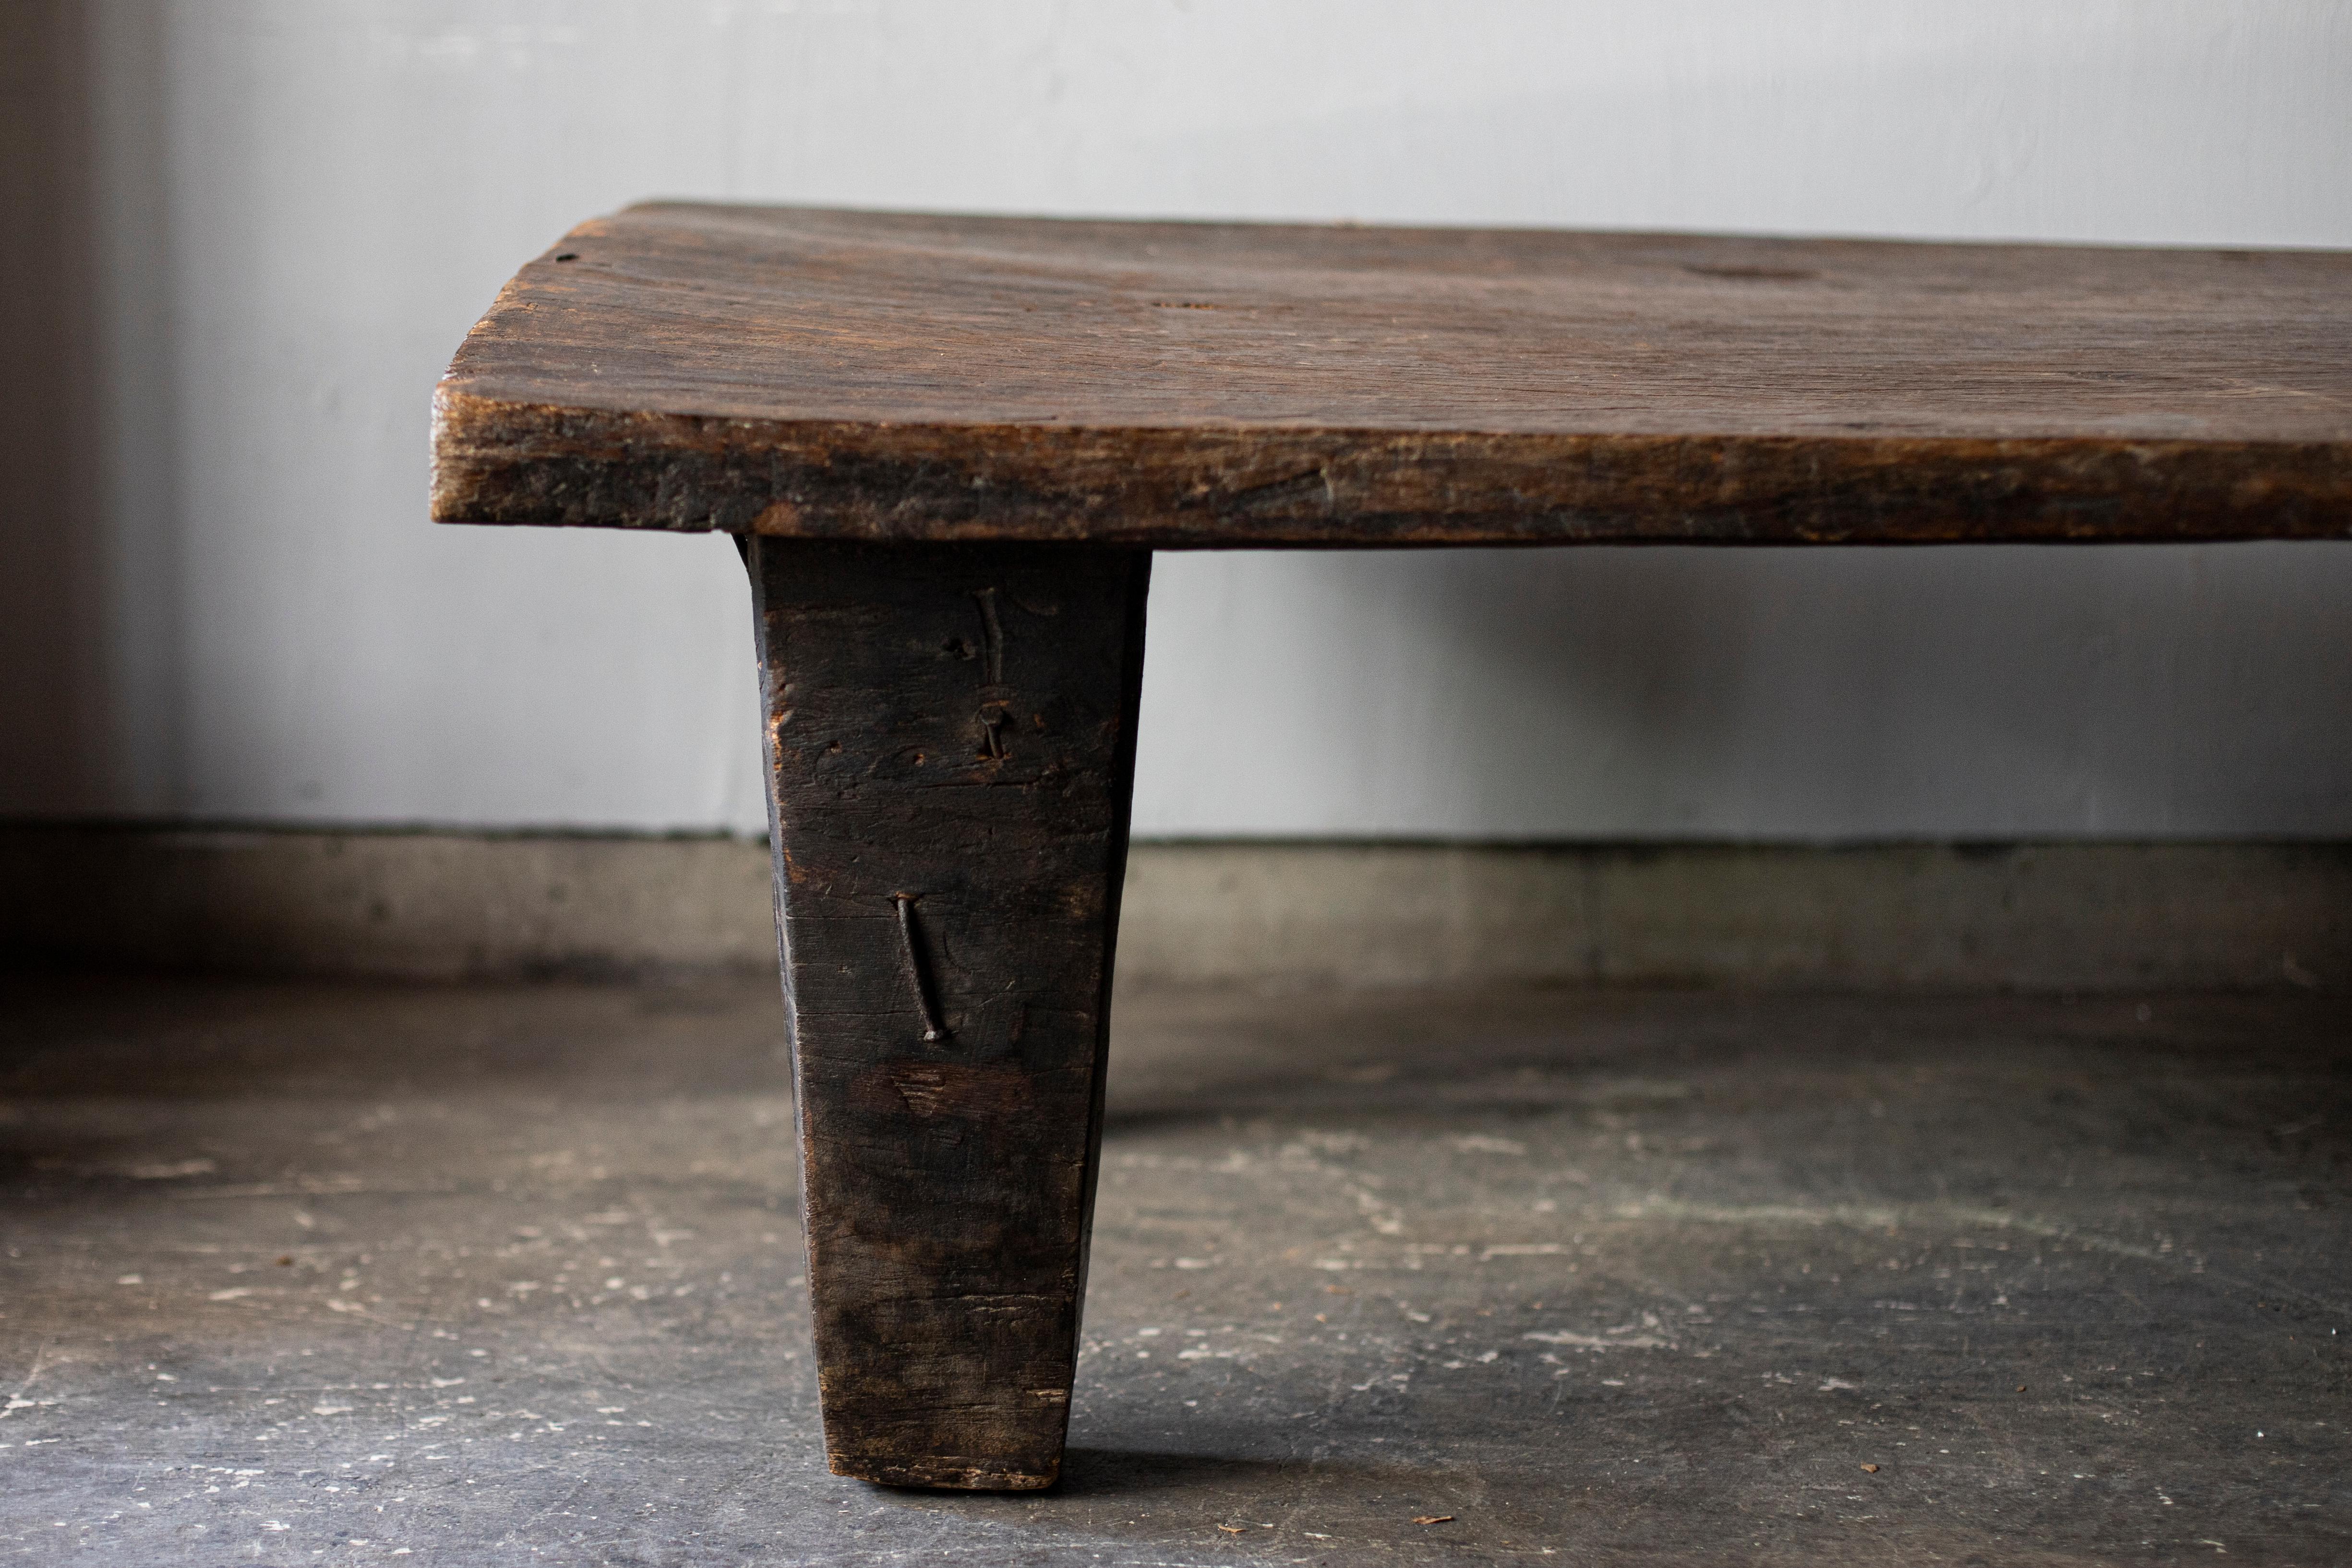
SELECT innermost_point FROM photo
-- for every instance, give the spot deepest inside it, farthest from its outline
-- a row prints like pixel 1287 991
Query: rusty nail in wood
pixel 917 975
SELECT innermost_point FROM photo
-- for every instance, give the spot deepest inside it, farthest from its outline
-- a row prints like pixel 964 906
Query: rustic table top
pixel 802 371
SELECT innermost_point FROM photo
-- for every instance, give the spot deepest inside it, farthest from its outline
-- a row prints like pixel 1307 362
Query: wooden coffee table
pixel 948 445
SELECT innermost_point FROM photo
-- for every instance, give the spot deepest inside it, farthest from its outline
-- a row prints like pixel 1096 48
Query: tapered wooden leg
pixel 950 750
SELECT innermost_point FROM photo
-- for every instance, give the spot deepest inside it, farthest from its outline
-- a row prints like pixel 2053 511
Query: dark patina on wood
pixel 950 746
pixel 813 373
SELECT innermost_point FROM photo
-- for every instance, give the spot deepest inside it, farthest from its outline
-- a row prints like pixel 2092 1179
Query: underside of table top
pixel 838 374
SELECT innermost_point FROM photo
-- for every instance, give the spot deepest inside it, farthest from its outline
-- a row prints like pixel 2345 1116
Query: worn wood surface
pixel 804 372
pixel 950 745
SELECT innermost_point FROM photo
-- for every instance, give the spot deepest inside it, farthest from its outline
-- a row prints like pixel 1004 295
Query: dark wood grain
pixel 951 748
pixel 814 373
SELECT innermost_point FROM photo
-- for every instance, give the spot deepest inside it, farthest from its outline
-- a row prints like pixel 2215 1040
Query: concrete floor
pixel 314 1274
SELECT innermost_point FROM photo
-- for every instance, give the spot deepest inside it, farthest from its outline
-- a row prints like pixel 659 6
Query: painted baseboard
pixel 436 906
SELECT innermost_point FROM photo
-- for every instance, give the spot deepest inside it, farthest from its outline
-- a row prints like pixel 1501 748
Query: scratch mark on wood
pixel 1312 488
pixel 992 635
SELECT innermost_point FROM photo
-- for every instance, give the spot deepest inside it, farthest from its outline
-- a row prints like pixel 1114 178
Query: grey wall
pixel 243 236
